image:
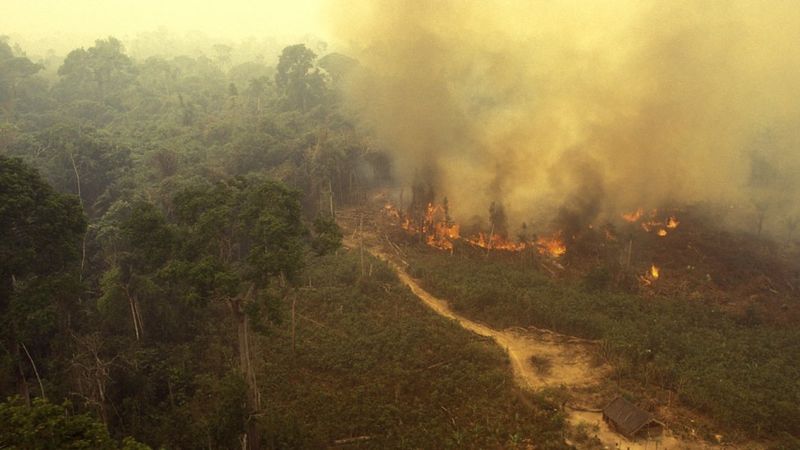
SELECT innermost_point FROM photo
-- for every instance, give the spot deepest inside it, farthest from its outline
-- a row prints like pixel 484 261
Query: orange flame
pixel 496 241
pixel 551 245
pixel 654 271
pixel 390 211
pixel 651 224
pixel 440 233
pixel 672 223
pixel 633 216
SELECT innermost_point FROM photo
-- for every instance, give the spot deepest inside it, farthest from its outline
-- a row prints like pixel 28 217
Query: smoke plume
pixel 584 108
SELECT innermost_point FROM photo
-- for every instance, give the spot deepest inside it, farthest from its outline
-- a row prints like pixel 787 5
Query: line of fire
pixel 435 227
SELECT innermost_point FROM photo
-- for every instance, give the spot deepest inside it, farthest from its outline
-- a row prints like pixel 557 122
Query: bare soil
pixel 569 360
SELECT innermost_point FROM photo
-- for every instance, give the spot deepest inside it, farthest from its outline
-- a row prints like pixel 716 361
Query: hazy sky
pixel 584 109
pixel 218 18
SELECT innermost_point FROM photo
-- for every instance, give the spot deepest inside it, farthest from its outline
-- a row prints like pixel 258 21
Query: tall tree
pixel 96 73
pixel 250 231
pixel 302 84
pixel 85 162
pixel 46 425
pixel 13 69
pixel 41 231
pixel 137 243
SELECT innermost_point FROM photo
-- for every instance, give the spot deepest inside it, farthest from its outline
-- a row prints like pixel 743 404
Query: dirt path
pixel 567 360
pixel 569 364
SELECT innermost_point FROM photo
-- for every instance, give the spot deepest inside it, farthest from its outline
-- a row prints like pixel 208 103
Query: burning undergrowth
pixel 574 114
pixel 657 252
pixel 434 226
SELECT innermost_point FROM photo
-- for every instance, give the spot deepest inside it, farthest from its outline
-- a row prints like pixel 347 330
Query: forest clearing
pixel 572 364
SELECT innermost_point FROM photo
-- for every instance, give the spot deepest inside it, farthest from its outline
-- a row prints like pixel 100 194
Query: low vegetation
pixel 371 361
pixel 743 374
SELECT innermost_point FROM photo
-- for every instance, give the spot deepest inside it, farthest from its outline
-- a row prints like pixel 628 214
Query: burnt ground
pixel 754 278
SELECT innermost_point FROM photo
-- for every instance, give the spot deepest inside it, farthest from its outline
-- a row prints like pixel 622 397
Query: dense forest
pixel 205 247
pixel 172 274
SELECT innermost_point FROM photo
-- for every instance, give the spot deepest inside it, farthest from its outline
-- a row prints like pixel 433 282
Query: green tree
pixel 39 281
pixel 137 242
pixel 249 231
pixel 44 425
pixel 13 69
pixel 85 162
pixel 97 73
pixel 256 88
pixel 327 235
pixel 301 83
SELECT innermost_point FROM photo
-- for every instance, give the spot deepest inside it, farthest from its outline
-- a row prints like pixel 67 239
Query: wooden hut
pixel 631 421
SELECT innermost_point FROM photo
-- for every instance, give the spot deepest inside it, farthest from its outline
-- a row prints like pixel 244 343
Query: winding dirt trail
pixel 569 361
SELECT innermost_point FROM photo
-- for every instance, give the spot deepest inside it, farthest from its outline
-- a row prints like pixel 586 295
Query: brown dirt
pixel 569 360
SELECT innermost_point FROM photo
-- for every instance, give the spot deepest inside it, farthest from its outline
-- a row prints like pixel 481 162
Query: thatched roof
pixel 628 418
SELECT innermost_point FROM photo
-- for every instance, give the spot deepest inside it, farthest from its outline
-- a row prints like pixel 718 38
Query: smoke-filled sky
pixel 229 18
pixel 86 20
pixel 597 107
pixel 594 106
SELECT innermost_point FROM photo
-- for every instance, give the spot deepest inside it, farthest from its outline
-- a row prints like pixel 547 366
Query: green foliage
pixel 250 226
pixel 740 373
pixel 42 228
pixel 137 242
pixel 13 69
pixel 44 425
pixel 371 360
pixel 135 235
pixel 301 83
pixel 197 183
pixel 327 235
pixel 598 279
pixel 99 73
pixel 218 409
pixel 584 434
pixel 39 282
pixel 85 162
pixel 785 441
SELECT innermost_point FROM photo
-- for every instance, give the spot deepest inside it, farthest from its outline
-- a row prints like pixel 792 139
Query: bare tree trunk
pixel 294 309
pixel 489 242
pixel 361 242
pixel 134 313
pixel 101 393
pixel 245 364
pixel 93 372
pixel 22 381
pixel 138 315
pixel 83 254
pixel 77 178
pixel 330 193
pixel 80 199
pixel 400 206
pixel 35 370
pixel 133 316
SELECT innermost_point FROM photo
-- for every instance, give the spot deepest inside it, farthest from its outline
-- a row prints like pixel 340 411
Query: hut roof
pixel 628 418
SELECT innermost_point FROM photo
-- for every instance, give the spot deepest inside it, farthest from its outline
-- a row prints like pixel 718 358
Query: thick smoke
pixel 585 108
